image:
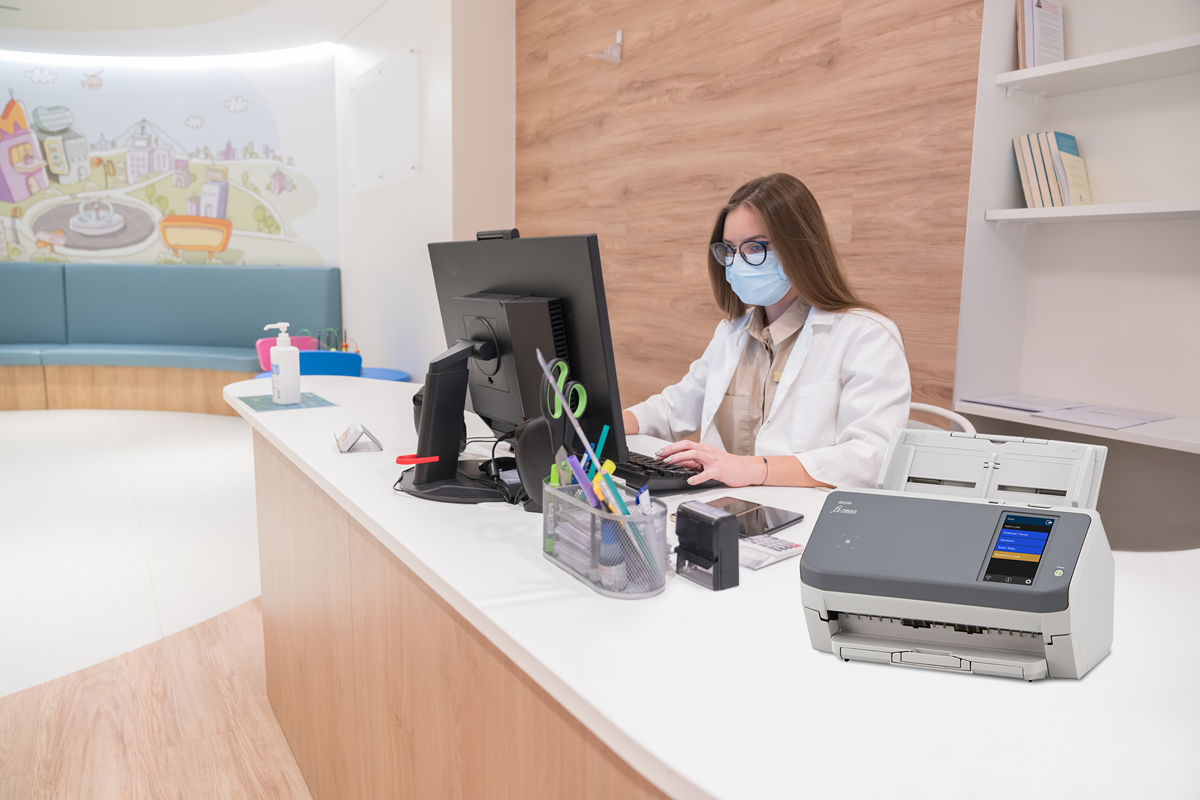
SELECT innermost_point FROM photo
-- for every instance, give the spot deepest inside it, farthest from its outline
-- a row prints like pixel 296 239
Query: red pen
pixel 415 459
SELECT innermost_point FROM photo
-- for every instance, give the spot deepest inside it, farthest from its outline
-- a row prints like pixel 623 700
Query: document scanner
pixel 949 463
pixel 959 584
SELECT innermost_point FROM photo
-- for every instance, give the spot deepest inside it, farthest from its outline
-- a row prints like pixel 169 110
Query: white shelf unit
pixel 1103 312
pixel 1108 212
pixel 1179 433
pixel 1141 63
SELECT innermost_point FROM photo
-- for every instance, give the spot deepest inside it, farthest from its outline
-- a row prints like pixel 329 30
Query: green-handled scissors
pixel 561 430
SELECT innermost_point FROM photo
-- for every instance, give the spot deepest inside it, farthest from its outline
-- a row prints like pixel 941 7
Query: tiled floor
pixel 117 528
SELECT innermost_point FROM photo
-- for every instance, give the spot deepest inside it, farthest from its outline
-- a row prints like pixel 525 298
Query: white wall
pixel 485 115
pixel 466 176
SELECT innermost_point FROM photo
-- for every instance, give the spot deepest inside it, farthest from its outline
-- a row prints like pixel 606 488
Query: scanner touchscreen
pixel 1018 550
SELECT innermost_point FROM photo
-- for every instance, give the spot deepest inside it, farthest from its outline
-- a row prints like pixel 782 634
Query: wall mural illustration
pixel 129 165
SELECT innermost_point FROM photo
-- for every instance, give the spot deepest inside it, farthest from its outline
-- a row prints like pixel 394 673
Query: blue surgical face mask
pixel 763 285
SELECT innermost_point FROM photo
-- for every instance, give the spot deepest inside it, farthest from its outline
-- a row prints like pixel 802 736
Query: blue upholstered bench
pixel 33 312
pixel 190 317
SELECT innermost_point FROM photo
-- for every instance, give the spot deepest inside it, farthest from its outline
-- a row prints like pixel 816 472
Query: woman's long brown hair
pixel 796 231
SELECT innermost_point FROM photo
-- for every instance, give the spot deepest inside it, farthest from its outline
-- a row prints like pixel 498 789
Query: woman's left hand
pixel 733 471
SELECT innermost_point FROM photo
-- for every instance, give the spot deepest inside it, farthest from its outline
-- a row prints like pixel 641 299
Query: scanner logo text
pixel 843 510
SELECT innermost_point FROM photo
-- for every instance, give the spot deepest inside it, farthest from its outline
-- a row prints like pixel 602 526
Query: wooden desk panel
pixel 383 689
pixel 22 387
pixel 148 388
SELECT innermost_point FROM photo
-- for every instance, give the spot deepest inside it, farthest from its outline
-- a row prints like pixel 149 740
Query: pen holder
pixel 617 555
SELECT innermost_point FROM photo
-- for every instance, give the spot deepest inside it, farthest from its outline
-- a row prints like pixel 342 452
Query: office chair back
pixel 263 348
pixel 330 362
pixel 958 421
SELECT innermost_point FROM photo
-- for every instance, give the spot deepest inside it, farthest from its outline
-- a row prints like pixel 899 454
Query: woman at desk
pixel 803 382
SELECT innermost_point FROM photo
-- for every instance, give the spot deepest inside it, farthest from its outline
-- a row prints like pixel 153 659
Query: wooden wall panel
pixel 22 387
pixel 384 690
pixel 869 102
pixel 149 388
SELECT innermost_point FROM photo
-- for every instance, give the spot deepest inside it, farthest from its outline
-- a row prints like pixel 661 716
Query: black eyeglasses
pixel 754 252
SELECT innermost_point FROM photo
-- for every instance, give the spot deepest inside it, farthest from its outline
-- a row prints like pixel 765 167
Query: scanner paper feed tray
pixel 938 550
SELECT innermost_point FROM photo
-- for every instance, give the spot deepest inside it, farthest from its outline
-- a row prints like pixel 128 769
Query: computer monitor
pixel 493 294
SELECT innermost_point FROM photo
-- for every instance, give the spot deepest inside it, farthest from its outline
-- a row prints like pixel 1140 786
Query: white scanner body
pixel 926 581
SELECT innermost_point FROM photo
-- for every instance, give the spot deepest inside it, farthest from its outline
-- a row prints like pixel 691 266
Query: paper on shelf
pixel 1104 416
pixel 1144 416
pixel 1026 402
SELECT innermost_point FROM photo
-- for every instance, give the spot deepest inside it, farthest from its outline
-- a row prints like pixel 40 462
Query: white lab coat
pixel 844 389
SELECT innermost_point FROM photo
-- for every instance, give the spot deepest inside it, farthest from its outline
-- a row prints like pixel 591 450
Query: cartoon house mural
pixel 22 169
pixel 137 158
pixel 182 176
pixel 65 148
pixel 214 195
pixel 162 160
pixel 160 191
pixel 280 182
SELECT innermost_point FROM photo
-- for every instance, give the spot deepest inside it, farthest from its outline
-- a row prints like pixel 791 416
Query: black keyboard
pixel 657 475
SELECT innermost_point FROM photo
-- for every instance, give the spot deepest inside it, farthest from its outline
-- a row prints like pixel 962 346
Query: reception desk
pixel 425 650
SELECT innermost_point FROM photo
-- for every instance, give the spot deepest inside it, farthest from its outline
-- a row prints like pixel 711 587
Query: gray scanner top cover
pixel 933 549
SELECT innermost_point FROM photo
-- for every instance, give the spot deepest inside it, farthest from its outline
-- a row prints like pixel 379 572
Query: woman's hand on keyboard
pixel 733 471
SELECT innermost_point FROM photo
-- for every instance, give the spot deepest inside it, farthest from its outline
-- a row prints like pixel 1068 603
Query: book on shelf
pixel 1071 169
pixel 1052 172
pixel 1021 61
pixel 1039 33
pixel 1025 156
pixel 1023 171
pixel 1039 167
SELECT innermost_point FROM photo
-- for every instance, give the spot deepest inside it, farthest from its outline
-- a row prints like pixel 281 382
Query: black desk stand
pixel 449 480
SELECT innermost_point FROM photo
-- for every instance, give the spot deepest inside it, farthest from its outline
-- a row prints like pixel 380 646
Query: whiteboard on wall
pixel 383 122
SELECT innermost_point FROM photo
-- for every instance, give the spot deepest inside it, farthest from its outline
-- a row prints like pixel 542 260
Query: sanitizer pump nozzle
pixel 282 340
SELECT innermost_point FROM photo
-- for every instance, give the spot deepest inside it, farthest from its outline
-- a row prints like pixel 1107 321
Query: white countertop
pixel 720 695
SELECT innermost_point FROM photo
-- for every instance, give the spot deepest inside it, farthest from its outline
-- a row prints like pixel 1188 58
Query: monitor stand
pixel 459 489
pixel 449 480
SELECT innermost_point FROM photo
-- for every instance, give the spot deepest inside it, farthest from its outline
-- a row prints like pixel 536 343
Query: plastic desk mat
pixel 263 402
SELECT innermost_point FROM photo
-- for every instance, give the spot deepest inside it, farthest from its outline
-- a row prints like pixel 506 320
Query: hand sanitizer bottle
pixel 285 368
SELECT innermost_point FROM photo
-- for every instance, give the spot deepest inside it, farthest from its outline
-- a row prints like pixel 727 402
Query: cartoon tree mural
pixel 248 151
pixel 162 202
pixel 245 178
pixel 150 192
pixel 266 220
pixel 207 154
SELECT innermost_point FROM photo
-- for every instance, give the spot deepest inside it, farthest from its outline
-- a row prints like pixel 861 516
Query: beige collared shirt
pixel 751 391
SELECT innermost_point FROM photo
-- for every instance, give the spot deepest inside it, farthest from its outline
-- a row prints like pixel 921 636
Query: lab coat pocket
pixel 814 422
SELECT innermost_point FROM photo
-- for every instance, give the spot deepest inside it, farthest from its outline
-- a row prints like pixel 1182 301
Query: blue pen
pixel 599 449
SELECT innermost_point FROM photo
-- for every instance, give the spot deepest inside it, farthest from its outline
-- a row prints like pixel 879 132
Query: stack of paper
pixel 1104 416
pixel 1099 416
pixel 1026 402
